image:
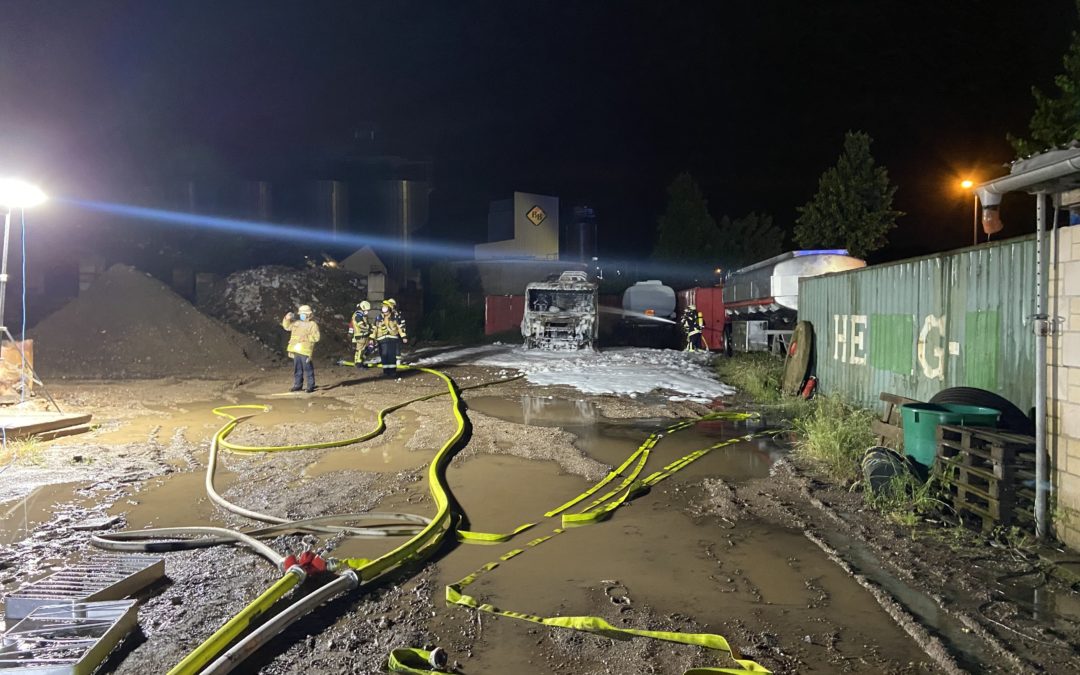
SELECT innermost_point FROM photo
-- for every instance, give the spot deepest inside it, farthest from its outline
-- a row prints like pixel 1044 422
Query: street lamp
pixel 967 184
pixel 14 194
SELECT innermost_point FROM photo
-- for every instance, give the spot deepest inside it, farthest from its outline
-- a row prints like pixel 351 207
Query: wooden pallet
pixel 889 427
pixel 19 425
pixel 985 471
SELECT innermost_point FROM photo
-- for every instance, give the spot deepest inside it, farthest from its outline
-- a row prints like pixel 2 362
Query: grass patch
pixel 26 452
pixel 834 435
pixel 756 374
pixel 906 500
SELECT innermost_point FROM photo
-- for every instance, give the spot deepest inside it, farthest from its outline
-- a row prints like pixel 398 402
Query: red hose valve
pixel 309 561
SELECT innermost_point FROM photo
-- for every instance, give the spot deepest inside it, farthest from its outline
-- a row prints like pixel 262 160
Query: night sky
pixel 601 102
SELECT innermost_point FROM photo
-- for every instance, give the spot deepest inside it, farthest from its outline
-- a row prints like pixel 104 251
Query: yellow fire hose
pixel 424 542
pixel 204 653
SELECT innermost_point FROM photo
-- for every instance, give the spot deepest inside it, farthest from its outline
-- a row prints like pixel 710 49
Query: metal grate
pixel 101 578
pixel 70 639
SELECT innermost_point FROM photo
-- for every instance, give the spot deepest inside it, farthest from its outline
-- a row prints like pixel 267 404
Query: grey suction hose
pixel 134 542
pixel 369 532
pixel 345 582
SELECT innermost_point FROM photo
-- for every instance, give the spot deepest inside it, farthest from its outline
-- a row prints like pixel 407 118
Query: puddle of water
pixel 966 646
pixel 387 456
pixel 18 518
pixel 198 422
pixel 611 441
pixel 174 500
pixel 774 580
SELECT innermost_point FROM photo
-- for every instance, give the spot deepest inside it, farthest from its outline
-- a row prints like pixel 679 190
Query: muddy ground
pixel 745 542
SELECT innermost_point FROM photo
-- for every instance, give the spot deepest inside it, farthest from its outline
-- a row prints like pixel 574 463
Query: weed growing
pixel 756 374
pixel 906 500
pixel 834 435
pixel 25 452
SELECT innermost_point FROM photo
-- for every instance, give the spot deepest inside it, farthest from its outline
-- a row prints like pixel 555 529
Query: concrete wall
pixel 1063 384
pixel 534 238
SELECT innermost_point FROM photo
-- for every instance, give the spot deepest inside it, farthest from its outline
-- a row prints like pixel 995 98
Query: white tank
pixel 650 297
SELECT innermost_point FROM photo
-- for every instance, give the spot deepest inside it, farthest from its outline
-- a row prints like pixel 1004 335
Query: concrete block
pixel 1072 449
pixel 1068 496
pixel 1070 419
pixel 1070 349
pixel 1075 252
pixel 1069 535
pixel 1071 275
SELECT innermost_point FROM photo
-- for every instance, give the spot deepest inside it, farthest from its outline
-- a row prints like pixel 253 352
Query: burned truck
pixel 560 314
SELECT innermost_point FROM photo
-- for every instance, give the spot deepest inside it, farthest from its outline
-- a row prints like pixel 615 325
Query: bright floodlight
pixel 17 194
pixel 967 184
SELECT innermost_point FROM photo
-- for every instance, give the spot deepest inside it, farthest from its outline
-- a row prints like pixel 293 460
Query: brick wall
pixel 1063 384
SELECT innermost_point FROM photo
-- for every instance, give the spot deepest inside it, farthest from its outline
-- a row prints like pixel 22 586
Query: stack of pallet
pixel 990 473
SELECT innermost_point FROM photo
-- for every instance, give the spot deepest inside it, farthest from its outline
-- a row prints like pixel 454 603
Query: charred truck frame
pixel 560 314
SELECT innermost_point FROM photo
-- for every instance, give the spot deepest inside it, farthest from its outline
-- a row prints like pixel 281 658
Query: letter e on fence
pixel 858 340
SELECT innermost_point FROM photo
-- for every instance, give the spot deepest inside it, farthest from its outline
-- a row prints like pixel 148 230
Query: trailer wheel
pixel 1012 418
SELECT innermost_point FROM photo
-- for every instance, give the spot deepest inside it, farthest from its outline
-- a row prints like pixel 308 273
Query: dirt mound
pixel 253 302
pixel 130 325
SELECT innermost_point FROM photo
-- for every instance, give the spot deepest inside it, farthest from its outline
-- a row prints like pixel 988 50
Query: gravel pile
pixel 130 325
pixel 253 302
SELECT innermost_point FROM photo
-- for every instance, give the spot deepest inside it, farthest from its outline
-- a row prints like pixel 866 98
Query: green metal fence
pixel 917 326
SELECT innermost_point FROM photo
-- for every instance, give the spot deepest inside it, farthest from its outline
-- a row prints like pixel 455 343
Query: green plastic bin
pixel 921 421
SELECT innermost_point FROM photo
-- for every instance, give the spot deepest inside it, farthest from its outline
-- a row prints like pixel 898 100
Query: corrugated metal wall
pixel 918 326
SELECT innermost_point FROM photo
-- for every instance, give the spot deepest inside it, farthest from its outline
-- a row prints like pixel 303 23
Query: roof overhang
pixel 1047 173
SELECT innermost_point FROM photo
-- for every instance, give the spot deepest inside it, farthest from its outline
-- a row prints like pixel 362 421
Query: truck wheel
pixel 1012 418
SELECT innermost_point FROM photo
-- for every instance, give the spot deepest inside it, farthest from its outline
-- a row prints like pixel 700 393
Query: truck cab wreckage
pixel 560 314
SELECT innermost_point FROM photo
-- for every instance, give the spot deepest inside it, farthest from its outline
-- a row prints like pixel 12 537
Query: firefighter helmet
pixel 364 306
pixel 390 302
pixel 305 309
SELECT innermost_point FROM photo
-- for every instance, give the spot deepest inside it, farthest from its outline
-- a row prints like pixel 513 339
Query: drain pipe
pixel 1042 477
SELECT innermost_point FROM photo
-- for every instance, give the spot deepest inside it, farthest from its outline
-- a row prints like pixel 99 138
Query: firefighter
pixel 692 324
pixel 389 334
pixel 303 334
pixel 400 319
pixel 360 330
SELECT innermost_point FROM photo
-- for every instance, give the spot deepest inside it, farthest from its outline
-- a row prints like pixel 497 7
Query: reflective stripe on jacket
pixel 303 335
pixel 386 327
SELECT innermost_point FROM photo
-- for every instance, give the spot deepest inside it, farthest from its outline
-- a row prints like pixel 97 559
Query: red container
pixel 710 302
pixel 503 313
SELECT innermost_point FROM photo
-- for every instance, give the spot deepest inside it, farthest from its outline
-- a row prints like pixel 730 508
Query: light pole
pixel 967 184
pixel 15 194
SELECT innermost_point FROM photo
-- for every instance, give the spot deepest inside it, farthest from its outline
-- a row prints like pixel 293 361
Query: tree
pixel 748 239
pixel 1056 121
pixel 686 233
pixel 853 205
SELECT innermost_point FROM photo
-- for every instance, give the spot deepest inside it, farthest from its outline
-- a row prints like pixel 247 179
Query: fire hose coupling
pixel 309 562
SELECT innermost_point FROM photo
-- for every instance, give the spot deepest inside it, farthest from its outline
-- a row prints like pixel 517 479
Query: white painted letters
pixel 936 372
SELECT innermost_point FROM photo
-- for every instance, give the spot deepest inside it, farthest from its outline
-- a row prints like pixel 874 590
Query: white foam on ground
pixel 629 371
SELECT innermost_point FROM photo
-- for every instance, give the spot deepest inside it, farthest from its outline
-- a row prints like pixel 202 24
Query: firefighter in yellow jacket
pixel 360 330
pixel 389 334
pixel 303 334
pixel 692 324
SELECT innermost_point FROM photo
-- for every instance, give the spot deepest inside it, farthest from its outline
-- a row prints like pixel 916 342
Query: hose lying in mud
pixel 432 533
pixel 252 642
